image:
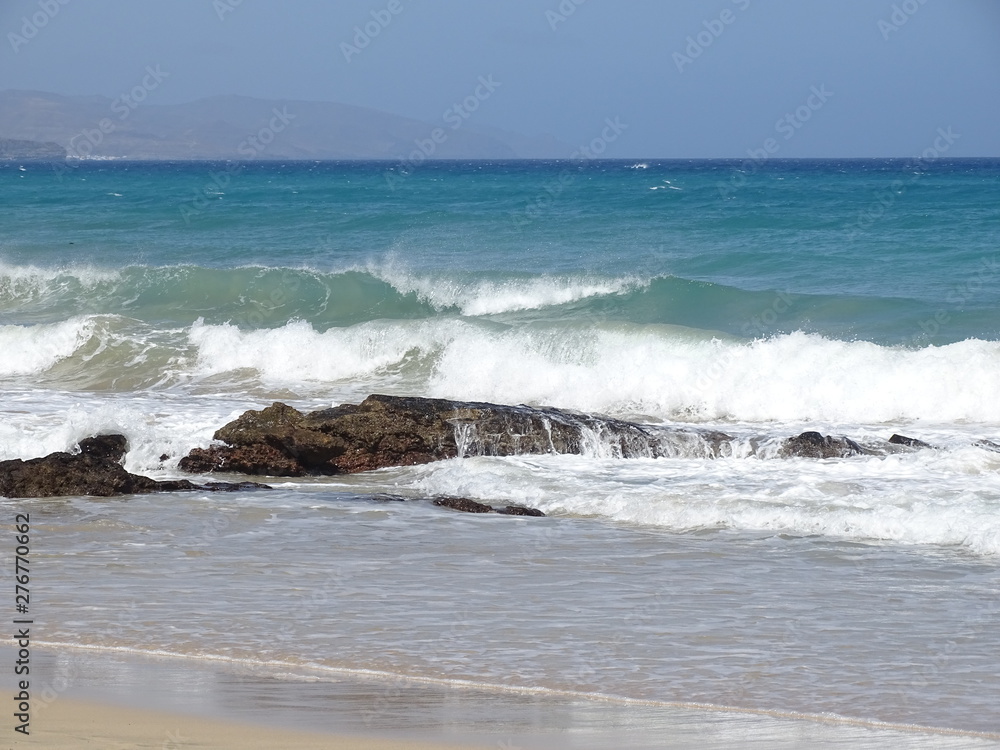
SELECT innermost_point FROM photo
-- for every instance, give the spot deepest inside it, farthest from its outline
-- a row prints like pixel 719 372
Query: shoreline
pixel 83 689
pixel 307 673
pixel 70 723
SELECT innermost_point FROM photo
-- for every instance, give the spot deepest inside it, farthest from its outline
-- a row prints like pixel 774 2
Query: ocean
pixel 763 299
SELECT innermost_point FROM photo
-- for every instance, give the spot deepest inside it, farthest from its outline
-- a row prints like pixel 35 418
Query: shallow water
pixel 373 706
pixel 306 577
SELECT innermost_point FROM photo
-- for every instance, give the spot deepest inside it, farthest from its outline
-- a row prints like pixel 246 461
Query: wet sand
pixel 69 724
pixel 112 699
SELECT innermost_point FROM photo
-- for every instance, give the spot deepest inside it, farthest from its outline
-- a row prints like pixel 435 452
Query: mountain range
pixel 239 127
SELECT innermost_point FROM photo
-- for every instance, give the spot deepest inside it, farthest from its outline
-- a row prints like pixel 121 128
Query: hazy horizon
pixel 723 79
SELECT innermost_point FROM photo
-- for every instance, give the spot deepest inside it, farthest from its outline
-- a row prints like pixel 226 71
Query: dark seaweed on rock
pixel 471 506
pixel 463 504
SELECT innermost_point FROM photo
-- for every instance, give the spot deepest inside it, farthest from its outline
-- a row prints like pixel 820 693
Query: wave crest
pixel 660 372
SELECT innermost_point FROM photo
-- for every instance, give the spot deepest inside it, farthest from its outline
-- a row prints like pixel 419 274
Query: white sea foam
pixel 947 498
pixel 36 423
pixel 297 353
pixel 18 280
pixel 27 350
pixel 661 371
pixel 494 296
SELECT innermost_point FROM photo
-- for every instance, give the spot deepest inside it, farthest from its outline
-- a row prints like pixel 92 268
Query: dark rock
pixel 230 486
pixel 719 443
pixel 385 431
pixel 463 504
pixel 987 445
pixel 520 510
pixel 164 457
pixel 400 431
pixel 67 474
pixel 260 460
pixel 178 485
pixel 471 506
pixel 383 497
pixel 815 445
pixel 95 470
pixel 909 442
pixel 110 447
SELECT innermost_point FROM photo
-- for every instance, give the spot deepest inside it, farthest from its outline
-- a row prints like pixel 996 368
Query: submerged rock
pixel 519 510
pixel 95 470
pixel 815 445
pixel 909 442
pixel 471 506
pixel 987 445
pixel 463 504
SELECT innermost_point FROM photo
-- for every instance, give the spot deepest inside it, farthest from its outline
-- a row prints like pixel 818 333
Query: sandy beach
pixel 68 724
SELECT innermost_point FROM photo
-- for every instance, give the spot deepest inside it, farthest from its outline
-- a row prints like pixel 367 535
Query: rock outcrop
pixel 471 506
pixel 95 470
pixel 386 431
pixel 815 445
pixel 988 445
pixel 908 442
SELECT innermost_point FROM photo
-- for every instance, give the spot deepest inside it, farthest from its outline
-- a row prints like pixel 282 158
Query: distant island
pixel 243 128
pixel 14 149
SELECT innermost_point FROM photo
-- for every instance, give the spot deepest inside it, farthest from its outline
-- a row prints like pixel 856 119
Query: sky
pixel 678 79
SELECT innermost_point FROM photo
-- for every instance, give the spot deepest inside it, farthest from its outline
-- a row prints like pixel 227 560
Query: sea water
pixel 855 298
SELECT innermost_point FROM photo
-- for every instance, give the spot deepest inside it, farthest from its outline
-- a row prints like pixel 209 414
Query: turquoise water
pixel 170 273
pixel 689 243
pixel 852 297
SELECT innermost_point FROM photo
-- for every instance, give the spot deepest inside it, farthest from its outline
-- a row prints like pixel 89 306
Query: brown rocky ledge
pixel 95 470
pixel 385 431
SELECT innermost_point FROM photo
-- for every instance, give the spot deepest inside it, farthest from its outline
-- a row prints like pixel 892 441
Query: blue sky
pixel 819 78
